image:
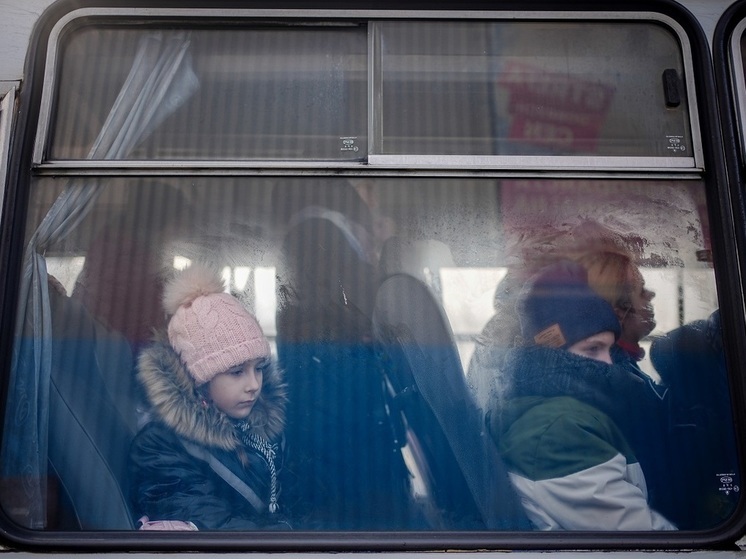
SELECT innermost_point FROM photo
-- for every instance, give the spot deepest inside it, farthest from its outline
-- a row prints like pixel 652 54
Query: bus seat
pixel 91 418
pixel 468 481
pixel 354 477
pixel 421 259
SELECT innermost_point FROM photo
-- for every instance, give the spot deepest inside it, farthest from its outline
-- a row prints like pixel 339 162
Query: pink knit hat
pixel 210 329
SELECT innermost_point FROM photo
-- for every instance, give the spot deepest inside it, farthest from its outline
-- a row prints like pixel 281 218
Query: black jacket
pixel 705 474
pixel 171 477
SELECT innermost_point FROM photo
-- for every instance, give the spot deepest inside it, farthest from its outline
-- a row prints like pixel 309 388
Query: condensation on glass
pixel 467 243
pixel 440 88
pixel 531 88
pixel 390 299
pixel 267 92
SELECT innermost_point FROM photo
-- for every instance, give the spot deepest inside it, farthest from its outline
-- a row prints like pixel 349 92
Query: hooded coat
pixel 565 427
pixel 175 458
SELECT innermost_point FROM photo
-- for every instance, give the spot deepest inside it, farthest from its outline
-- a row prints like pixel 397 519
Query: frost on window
pixel 369 287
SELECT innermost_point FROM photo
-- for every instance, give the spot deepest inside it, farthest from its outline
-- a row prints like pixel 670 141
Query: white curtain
pixel 160 80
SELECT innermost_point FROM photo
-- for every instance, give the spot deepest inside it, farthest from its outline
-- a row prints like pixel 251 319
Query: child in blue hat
pixel 563 413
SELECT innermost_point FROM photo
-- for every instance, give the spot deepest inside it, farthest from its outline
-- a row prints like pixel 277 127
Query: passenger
pixel 501 333
pixel 121 283
pixel 691 361
pixel 612 272
pixel 329 277
pixel 615 277
pixel 213 454
pixel 686 412
pixel 560 424
pixel 340 438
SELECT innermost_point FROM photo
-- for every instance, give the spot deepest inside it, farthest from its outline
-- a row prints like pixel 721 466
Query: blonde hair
pixel 609 275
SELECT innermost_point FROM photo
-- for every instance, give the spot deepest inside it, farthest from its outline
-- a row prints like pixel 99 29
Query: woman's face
pixel 596 347
pixel 637 316
pixel 236 391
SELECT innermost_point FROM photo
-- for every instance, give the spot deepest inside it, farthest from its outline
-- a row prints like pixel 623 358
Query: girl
pixel 561 423
pixel 212 454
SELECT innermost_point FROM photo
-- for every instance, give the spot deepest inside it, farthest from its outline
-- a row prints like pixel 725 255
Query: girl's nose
pixel 606 357
pixel 252 381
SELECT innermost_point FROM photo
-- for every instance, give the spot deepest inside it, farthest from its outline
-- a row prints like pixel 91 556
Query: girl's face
pixel 595 347
pixel 235 391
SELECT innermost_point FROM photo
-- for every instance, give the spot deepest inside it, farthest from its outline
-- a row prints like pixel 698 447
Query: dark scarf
pixel 624 393
pixel 540 371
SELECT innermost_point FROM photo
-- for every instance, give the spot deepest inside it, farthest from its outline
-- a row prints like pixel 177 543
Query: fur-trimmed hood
pixel 176 401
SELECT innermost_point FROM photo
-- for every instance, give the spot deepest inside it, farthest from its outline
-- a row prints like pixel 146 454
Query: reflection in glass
pixel 262 93
pixel 530 88
pixel 361 285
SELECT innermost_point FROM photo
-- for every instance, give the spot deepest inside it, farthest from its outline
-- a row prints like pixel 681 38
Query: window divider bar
pixel 375 93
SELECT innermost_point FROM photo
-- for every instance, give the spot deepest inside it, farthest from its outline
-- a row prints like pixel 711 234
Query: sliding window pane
pixel 533 88
pixel 264 92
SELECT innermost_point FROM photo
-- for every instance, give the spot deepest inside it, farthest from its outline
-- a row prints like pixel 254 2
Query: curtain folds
pixel 160 80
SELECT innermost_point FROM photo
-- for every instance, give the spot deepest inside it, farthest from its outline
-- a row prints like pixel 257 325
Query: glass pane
pixel 403 312
pixel 6 125
pixel 742 44
pixel 532 88
pixel 273 92
pixel 740 80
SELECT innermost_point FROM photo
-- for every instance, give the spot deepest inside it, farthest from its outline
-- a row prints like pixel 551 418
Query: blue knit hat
pixel 559 308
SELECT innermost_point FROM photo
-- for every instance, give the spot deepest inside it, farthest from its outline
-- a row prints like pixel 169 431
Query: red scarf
pixel 632 349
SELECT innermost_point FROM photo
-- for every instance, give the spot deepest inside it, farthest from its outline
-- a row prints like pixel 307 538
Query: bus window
pixel 319 96
pixel 6 122
pixel 488 252
pixel 737 77
pixel 138 231
pixel 507 92
pixel 503 87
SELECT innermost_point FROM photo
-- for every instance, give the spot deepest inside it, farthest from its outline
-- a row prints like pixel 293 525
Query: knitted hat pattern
pixel 558 308
pixel 210 330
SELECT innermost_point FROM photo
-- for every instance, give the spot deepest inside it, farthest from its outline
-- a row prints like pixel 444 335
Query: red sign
pixel 554 109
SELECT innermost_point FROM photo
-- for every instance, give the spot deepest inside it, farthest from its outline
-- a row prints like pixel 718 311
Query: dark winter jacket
pixel 172 477
pixel 691 361
pixel 565 427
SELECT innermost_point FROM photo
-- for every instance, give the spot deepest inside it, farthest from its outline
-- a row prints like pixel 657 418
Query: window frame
pixel 374 159
pixel 7 106
pixel 737 67
pixel 708 164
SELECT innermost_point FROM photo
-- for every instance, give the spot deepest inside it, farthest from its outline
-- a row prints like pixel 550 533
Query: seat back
pixel 419 258
pixel 91 418
pixel 353 474
pixel 468 478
